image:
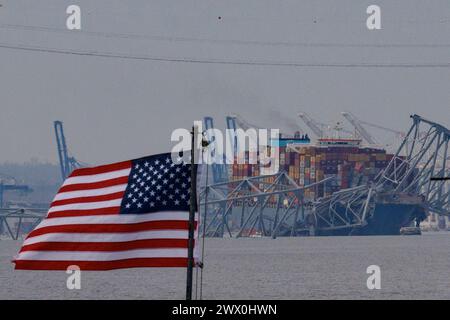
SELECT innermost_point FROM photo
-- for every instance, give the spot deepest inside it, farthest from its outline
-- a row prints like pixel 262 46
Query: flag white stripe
pixel 87 205
pixel 107 237
pixel 97 177
pixel 117 218
pixel 101 255
pixel 99 234
pixel 90 193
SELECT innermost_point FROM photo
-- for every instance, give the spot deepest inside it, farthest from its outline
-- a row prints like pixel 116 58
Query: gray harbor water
pixel 412 267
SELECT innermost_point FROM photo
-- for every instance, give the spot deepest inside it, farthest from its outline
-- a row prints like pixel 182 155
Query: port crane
pixel 316 127
pixel 234 121
pixel 219 170
pixel 67 162
pixel 33 216
pixel 242 123
pixel 231 126
pixel 237 121
pixel 356 123
pixel 12 220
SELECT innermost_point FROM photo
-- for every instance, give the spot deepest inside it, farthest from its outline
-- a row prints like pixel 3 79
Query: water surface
pixel 412 267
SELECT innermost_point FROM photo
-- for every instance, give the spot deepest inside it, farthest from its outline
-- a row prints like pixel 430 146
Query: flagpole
pixel 190 266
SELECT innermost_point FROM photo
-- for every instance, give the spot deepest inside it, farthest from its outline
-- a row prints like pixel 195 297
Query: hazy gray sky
pixel 115 109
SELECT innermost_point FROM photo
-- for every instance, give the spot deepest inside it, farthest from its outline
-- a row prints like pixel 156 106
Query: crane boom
pixel 400 133
pixel 61 148
pixel 356 123
pixel 242 123
pixel 312 124
pixel 67 163
pixel 231 126
pixel 218 169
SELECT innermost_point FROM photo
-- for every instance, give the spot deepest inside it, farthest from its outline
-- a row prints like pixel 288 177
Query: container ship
pixel 350 164
pixel 345 159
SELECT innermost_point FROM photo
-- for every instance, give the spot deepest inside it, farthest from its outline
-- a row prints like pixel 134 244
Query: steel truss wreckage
pixel 15 222
pixel 413 184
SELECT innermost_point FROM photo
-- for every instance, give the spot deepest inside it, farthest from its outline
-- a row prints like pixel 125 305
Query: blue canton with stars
pixel 156 184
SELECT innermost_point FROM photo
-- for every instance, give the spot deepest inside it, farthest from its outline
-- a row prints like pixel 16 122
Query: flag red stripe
pixel 113 228
pixel 107 246
pixel 104 197
pixel 79 213
pixel 101 169
pixel 102 265
pixel 85 227
pixel 94 185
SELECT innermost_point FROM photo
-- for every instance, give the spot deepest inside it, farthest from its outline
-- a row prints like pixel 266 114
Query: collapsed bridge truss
pixel 275 205
pixel 15 222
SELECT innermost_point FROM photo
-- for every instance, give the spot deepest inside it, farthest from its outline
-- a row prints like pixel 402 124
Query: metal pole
pixel 191 219
pixel 204 227
pixel 1 194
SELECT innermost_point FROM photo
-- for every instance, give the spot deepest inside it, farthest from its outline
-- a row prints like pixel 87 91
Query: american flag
pixel 128 214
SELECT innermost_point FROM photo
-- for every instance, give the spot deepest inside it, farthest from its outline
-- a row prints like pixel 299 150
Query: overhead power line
pixel 103 54
pixel 222 41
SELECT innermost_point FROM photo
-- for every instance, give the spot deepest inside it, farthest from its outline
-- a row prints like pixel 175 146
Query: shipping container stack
pixel 350 167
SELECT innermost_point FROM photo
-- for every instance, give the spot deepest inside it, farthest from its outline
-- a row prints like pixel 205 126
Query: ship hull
pixel 392 212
